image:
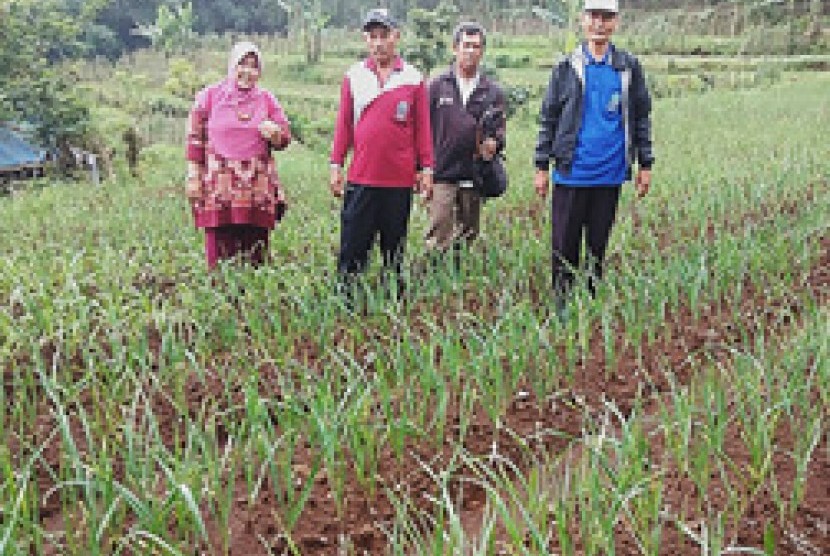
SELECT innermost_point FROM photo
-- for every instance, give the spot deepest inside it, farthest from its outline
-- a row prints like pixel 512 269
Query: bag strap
pixel 488 102
pixel 491 98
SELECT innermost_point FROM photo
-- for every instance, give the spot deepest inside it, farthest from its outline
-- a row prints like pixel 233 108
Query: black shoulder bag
pixel 489 176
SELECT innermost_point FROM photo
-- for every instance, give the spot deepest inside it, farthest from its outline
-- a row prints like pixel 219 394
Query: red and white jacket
pixel 385 125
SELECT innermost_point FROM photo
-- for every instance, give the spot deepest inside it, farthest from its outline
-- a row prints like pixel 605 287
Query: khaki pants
pixel 454 214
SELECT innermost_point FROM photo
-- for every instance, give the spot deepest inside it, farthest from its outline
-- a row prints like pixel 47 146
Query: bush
pixel 517 96
pixel 184 81
pixel 510 61
pixel 431 46
pixel 169 105
pixel 315 134
pixel 303 72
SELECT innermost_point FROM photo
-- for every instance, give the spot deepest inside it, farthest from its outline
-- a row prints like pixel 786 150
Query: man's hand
pixel 643 181
pixel 424 185
pixel 540 182
pixel 336 181
pixel 488 148
pixel 269 130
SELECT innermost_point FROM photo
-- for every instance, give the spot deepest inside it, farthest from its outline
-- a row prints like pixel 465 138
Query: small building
pixel 19 158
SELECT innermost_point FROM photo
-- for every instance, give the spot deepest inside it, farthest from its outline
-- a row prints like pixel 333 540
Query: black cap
pixel 379 16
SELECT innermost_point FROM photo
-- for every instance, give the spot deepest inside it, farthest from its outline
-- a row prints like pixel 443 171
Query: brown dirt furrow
pixel 321 527
pixel 361 520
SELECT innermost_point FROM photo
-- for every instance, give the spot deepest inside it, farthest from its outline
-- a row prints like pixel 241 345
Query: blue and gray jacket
pixel 561 115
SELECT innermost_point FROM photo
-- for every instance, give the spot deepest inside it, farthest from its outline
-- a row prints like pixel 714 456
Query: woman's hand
pixel 270 130
pixel 193 184
pixel 193 188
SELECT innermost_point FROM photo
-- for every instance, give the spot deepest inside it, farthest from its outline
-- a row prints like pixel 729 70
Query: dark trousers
pixel 369 212
pixel 577 211
pixel 236 240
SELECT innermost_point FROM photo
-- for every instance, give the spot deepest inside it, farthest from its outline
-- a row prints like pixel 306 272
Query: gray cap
pixel 379 16
pixel 602 5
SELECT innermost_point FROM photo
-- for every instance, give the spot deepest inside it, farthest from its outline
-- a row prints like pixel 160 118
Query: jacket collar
pixel 451 75
pixel 616 58
pixel 589 58
pixel 397 64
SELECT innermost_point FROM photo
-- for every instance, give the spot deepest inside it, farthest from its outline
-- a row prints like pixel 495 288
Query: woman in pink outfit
pixel 232 181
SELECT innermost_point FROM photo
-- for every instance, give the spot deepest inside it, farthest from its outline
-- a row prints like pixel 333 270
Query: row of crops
pixel 150 407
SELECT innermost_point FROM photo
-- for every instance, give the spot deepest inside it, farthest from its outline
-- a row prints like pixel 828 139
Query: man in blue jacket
pixel 594 124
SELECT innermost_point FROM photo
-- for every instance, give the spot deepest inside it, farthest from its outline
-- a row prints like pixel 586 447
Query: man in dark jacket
pixel 594 124
pixel 458 99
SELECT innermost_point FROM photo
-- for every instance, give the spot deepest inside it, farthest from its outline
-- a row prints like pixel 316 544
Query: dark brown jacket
pixel 454 125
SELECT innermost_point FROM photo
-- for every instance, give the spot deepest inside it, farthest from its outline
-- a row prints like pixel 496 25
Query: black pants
pixel 578 210
pixel 369 212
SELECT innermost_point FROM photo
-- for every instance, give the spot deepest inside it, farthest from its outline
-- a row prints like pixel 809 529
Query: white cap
pixel 602 5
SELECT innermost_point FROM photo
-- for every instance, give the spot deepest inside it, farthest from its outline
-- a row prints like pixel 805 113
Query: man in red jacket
pixel 383 119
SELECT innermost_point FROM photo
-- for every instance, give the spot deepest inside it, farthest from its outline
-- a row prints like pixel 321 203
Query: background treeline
pixel 117 24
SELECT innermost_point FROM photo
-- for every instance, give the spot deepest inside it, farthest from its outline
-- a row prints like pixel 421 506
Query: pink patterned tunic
pixel 234 192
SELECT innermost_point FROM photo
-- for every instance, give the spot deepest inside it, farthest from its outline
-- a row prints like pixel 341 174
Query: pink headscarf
pixel 234 113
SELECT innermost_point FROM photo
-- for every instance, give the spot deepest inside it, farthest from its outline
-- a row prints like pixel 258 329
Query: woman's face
pixel 247 72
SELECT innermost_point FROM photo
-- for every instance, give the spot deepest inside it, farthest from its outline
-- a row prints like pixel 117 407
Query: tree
pixel 815 20
pixel 38 86
pixel 310 17
pixel 557 13
pixel 172 30
pixel 122 17
pixel 431 44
